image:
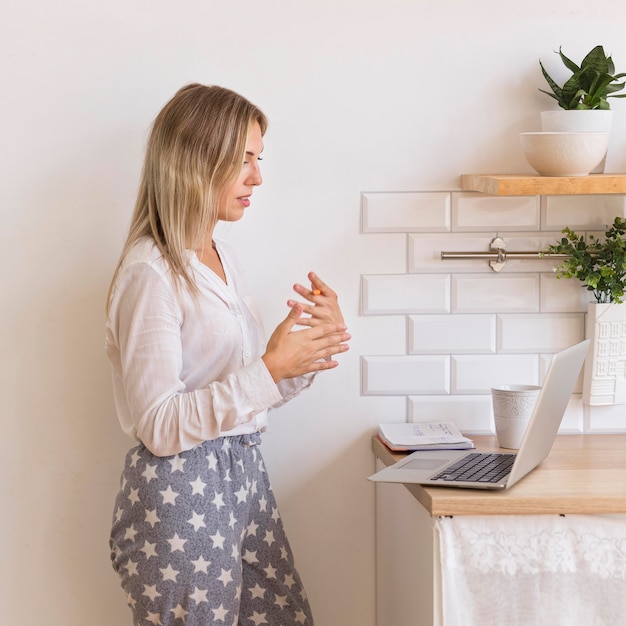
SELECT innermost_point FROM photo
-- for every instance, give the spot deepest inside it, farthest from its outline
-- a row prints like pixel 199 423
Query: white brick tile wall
pixel 606 419
pixel 558 295
pixel 582 212
pixel 436 334
pixel 473 211
pixel 382 253
pixel 472 414
pixel 405 212
pixel 536 333
pixel 381 334
pixel 406 375
pixel 478 373
pixel 495 293
pixel 450 330
pixel 405 293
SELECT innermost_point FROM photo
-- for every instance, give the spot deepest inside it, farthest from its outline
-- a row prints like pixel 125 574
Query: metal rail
pixel 498 258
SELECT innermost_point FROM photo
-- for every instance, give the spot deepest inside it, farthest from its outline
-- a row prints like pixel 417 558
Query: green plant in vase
pixel 600 264
pixel 590 85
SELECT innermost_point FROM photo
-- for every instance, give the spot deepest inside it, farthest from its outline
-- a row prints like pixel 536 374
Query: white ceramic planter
pixel 564 154
pixel 562 121
pixel 589 121
pixel 604 381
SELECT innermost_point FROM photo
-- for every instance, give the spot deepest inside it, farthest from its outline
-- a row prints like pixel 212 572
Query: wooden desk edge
pixel 522 499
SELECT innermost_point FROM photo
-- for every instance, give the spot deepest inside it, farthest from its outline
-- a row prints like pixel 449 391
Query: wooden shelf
pixel 525 185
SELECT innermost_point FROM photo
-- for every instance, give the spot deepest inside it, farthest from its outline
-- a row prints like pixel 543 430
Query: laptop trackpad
pixel 424 464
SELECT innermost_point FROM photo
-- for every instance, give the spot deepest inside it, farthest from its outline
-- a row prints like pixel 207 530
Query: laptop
pixel 450 468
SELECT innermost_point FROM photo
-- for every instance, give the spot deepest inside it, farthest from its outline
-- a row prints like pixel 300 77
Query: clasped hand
pixel 292 353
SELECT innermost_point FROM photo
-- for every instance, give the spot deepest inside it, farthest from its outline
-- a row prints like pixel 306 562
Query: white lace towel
pixel 533 570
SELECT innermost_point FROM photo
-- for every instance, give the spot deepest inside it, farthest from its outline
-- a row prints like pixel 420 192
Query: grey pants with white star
pixel 197 540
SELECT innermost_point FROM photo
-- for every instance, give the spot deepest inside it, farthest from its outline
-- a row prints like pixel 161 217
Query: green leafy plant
pixel 598 263
pixel 590 85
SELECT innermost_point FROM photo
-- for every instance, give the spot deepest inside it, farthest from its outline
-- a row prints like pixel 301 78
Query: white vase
pixel 575 121
pixel 604 380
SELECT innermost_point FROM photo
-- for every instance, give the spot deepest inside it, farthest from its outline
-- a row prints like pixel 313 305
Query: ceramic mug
pixel 512 407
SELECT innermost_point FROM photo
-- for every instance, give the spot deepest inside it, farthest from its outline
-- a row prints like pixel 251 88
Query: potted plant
pixel 590 85
pixel 583 98
pixel 600 265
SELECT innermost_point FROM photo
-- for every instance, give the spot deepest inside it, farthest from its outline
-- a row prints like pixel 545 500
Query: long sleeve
pixel 185 369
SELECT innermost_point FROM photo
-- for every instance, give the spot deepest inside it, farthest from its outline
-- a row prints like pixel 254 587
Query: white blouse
pixel 187 369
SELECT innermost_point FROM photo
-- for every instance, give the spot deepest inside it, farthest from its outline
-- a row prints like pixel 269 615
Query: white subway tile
pixel 375 410
pixel 539 333
pixel 405 375
pixel 582 212
pixel 477 374
pixel 562 295
pixel 436 334
pixel 475 211
pixel 471 414
pixel 405 212
pixel 405 293
pixel 381 253
pixel 474 414
pixel 425 252
pixel 495 293
pixel 380 334
pixel 606 419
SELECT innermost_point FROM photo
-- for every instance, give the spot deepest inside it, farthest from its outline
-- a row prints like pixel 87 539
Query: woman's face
pixel 237 196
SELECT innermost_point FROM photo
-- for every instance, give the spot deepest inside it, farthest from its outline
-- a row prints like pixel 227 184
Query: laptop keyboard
pixel 478 467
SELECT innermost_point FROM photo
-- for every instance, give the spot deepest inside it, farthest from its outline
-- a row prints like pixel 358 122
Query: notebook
pixel 434 468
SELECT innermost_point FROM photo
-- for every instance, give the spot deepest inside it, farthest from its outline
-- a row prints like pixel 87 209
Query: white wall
pixel 368 95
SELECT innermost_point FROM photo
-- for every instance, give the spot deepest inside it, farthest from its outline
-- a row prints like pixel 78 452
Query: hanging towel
pixel 533 570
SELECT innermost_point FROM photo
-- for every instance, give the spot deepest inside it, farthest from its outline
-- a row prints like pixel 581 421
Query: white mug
pixel 512 407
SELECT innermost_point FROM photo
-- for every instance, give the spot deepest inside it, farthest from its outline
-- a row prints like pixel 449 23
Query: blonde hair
pixel 195 150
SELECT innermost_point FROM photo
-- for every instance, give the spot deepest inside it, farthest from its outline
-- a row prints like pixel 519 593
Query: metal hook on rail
pixel 498 258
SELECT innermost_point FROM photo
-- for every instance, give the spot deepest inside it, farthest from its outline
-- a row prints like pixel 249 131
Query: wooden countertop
pixel 583 474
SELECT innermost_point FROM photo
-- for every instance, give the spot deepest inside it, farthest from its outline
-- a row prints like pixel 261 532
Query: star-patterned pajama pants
pixel 197 540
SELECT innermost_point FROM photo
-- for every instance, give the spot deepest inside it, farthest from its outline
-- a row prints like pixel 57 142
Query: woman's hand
pixel 292 353
pixel 322 306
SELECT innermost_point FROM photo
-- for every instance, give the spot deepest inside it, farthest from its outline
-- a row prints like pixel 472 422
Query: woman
pixel 196 536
